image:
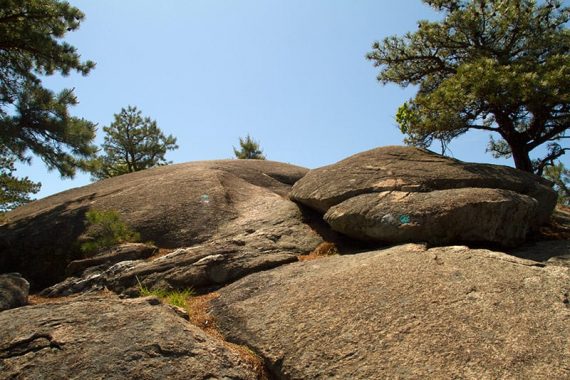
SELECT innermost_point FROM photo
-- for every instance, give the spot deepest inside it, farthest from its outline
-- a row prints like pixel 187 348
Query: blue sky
pixel 291 73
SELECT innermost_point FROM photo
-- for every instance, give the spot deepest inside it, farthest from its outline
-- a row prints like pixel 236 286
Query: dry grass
pixel 199 316
pixel 554 232
pixel 323 250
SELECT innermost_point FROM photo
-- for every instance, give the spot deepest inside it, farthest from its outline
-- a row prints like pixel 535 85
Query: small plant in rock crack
pixel 173 297
pixel 179 297
pixel 106 230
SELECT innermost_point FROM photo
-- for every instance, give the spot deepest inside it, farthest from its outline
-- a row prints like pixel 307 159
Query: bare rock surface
pixel 14 291
pixel 438 217
pixel 413 170
pixel 267 233
pixel 202 266
pixel 184 205
pixel 405 312
pixel 102 337
pixel 403 168
pixel 123 252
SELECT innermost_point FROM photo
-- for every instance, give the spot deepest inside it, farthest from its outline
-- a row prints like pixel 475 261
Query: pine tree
pixel 501 66
pixel 14 191
pixel 33 119
pixel 560 176
pixel 132 143
pixel 249 149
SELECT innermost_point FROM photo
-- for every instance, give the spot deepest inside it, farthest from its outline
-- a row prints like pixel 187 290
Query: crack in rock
pixel 34 343
pixel 156 349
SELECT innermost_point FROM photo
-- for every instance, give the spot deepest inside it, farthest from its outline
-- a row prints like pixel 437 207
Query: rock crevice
pixel 34 343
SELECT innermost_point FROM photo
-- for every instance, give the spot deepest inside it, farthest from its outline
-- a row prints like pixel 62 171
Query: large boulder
pixel 98 337
pixel 14 291
pixel 364 196
pixel 439 217
pixel 174 206
pixel 405 312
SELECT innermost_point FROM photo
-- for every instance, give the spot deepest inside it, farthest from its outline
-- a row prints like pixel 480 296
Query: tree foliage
pixel 33 119
pixel 560 176
pixel 14 191
pixel 249 149
pixel 494 65
pixel 106 230
pixel 132 143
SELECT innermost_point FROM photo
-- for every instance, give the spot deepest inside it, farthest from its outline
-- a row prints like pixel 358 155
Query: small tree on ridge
pixel 132 143
pixel 249 149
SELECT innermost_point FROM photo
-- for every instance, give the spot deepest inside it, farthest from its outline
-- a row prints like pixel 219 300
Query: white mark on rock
pixel 389 219
pixel 209 259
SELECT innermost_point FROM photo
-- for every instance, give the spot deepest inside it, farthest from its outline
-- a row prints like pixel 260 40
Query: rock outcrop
pixel 439 217
pixel 105 259
pixel 405 312
pixel 103 337
pixel 197 267
pixel 405 194
pixel 239 203
pixel 14 291
pixel 229 230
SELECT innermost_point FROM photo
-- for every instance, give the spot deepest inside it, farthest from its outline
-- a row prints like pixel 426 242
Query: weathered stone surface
pixel 174 206
pixel 13 291
pixel 438 217
pixel 405 312
pixel 107 338
pixel 197 267
pixel 267 233
pixel 409 169
pixel 123 252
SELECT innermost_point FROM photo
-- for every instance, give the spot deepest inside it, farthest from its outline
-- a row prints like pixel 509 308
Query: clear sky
pixel 291 73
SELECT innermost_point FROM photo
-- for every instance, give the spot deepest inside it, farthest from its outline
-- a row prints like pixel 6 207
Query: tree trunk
pixel 521 156
pixel 516 142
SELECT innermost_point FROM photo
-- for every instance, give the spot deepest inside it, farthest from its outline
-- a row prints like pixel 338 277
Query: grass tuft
pixel 177 298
